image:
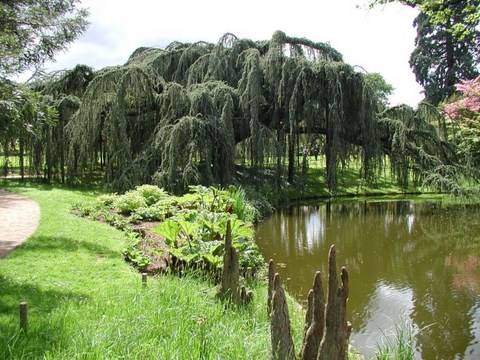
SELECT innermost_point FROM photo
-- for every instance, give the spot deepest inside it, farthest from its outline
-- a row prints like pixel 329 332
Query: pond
pixel 412 267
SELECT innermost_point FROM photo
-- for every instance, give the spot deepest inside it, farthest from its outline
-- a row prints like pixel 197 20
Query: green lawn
pixel 86 302
pixel 312 184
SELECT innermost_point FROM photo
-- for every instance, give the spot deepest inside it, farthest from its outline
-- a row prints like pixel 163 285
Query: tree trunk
pixel 5 156
pixel 63 150
pixel 291 156
pixel 330 152
pixel 450 57
pixel 22 157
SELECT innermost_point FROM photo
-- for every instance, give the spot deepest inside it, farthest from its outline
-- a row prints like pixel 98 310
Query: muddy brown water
pixel 412 267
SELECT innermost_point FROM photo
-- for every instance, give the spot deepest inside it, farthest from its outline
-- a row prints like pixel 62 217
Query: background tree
pixel 237 111
pixel 441 59
pixel 380 87
pixel 447 44
pixel 33 31
pixel 440 12
pixel 463 113
pixel 26 122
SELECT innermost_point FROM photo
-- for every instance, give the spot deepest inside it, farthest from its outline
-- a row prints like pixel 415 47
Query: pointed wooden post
pixel 308 313
pixel 314 333
pixel 229 287
pixel 23 316
pixel 271 275
pixel 281 334
pixel 334 344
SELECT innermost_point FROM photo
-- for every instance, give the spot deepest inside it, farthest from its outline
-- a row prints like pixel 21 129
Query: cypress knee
pixel 281 335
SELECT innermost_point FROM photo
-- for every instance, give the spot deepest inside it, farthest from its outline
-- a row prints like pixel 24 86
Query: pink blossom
pixel 452 110
pixel 469 105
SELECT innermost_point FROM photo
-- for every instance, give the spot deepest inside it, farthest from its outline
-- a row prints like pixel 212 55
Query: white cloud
pixel 379 40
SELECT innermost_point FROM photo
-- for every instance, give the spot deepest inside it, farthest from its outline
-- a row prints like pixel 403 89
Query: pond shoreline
pixel 402 256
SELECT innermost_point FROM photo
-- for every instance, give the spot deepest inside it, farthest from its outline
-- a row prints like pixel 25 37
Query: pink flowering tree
pixel 468 107
pixel 464 115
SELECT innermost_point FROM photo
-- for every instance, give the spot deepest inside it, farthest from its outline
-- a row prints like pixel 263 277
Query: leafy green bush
pixel 241 206
pixel 129 202
pixel 106 200
pixel 197 237
pixel 84 209
pixel 193 225
pixel 159 211
pixel 132 252
pixel 151 193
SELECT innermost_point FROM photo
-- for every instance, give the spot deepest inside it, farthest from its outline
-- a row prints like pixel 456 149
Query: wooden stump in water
pixel 334 343
pixel 281 334
pixel 229 287
pixel 326 330
pixel 308 313
pixel 271 275
pixel 315 319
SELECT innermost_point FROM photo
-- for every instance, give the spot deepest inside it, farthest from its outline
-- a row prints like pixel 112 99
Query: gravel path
pixel 19 218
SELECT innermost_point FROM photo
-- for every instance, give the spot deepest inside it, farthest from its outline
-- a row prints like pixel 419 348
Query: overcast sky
pixel 379 40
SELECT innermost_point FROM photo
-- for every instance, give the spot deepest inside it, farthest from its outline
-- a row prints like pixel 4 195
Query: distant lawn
pixel 314 184
pixel 86 302
pixel 311 182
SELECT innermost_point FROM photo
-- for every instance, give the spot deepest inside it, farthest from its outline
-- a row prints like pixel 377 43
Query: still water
pixel 411 265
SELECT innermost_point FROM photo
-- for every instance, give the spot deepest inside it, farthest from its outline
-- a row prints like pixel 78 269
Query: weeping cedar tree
pixel 175 116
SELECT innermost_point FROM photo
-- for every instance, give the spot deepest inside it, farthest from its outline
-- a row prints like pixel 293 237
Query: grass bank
pixel 86 302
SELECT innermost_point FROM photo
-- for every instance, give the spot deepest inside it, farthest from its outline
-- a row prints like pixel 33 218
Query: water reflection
pixel 409 263
pixel 388 305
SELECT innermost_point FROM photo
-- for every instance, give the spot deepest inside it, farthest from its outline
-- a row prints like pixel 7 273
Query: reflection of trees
pixel 405 244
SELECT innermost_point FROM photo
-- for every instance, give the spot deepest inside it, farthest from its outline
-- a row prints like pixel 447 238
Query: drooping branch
pixel 176 116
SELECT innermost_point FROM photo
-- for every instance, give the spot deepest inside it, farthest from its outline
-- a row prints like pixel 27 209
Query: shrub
pixel 129 202
pixel 107 200
pixel 151 193
pixel 241 207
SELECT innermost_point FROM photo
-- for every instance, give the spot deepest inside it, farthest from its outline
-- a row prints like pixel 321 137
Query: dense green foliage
pixel 193 226
pixel 440 60
pixel 441 12
pixel 381 88
pixel 229 113
pixel 191 113
pixel 198 103
pixel 33 32
pixel 26 122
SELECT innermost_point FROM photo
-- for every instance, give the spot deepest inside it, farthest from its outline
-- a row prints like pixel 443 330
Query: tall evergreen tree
pixel 441 59
pixel 447 44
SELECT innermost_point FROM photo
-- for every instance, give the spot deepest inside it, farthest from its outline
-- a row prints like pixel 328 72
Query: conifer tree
pixel 441 59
